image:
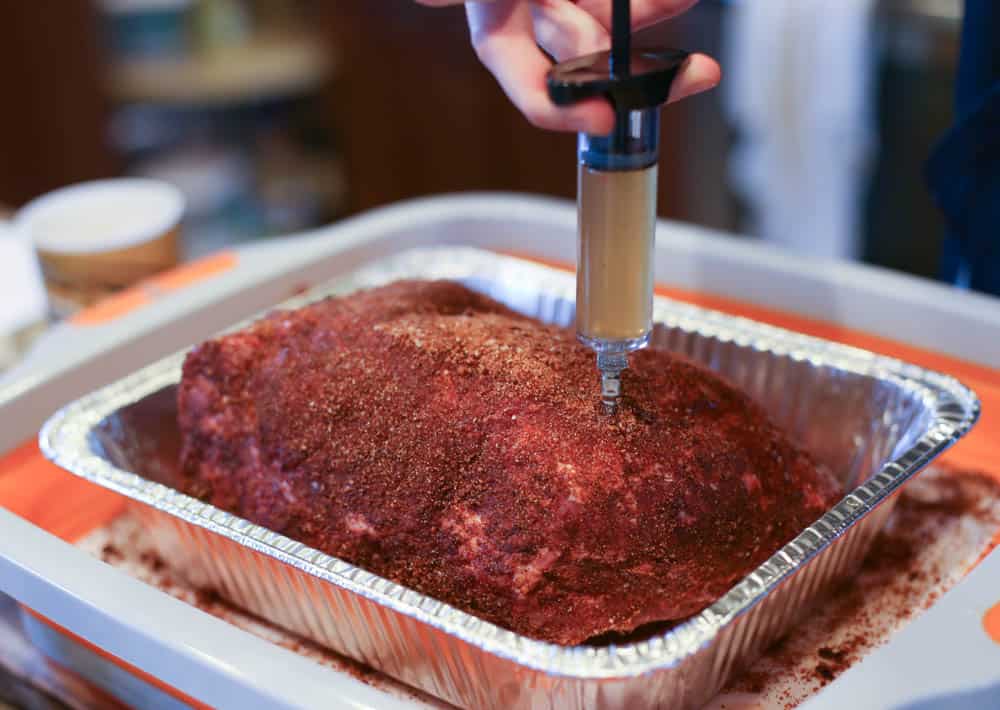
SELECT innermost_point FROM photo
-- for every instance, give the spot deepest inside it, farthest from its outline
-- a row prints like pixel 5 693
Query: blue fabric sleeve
pixel 963 172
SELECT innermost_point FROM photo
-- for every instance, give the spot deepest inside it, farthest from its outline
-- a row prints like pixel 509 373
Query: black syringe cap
pixel 645 84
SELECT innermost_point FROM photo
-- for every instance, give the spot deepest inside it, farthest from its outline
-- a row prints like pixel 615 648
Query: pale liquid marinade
pixel 614 286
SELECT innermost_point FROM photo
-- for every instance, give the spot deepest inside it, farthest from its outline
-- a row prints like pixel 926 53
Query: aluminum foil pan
pixel 873 420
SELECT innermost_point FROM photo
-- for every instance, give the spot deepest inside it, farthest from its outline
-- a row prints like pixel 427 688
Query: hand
pixel 506 35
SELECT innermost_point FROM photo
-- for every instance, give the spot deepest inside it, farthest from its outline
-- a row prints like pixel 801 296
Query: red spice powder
pixel 940 525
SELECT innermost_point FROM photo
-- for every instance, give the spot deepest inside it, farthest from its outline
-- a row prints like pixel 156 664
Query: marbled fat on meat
pixel 428 434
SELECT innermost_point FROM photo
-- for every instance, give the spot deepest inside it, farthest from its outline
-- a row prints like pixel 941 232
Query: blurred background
pixel 278 115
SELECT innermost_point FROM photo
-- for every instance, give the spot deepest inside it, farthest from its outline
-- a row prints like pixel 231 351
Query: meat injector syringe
pixel 616 195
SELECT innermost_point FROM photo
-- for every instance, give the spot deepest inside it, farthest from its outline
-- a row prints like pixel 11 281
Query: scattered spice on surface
pixel 110 554
pixel 942 523
pixel 152 560
pixel 126 545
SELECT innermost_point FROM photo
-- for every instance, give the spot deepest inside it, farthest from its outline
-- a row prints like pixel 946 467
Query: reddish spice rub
pixel 934 532
pixel 430 435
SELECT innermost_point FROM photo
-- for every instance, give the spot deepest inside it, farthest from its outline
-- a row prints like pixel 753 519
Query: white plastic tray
pixel 222 665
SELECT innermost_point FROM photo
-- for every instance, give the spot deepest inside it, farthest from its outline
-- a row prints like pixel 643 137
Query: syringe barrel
pixel 616 203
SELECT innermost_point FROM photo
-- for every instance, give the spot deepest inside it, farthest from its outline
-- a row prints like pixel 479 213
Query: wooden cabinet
pixel 53 111
pixel 419 115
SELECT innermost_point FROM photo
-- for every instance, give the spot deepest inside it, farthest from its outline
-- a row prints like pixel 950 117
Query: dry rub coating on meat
pixel 430 435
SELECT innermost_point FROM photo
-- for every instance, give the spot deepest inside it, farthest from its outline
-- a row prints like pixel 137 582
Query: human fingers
pixel 644 12
pixel 565 30
pixel 502 33
pixel 699 73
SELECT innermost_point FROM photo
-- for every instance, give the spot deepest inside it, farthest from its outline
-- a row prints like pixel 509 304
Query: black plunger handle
pixel 621 38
